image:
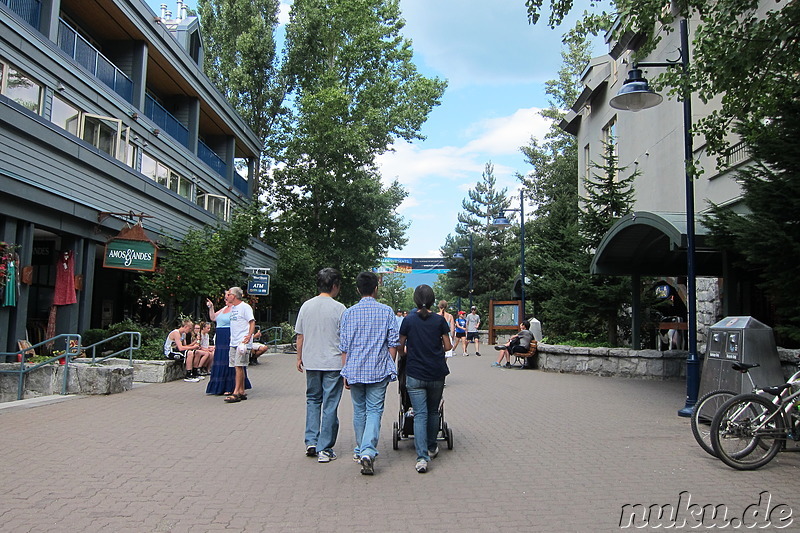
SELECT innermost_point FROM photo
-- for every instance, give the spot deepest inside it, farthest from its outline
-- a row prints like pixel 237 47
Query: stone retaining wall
pixel 148 371
pixel 49 379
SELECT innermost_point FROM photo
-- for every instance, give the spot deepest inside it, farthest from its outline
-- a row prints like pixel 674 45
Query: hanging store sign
pixel 130 255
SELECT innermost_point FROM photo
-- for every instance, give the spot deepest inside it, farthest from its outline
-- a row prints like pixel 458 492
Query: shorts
pixel 175 356
pixel 237 359
pixel 473 335
pixel 461 334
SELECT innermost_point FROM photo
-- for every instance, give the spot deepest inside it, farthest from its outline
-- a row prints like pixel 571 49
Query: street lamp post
pixel 636 95
pixel 460 255
pixel 502 222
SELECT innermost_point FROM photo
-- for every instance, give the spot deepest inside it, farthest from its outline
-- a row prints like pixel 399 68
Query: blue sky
pixel 496 66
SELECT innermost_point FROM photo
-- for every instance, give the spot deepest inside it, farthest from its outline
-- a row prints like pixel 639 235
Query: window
pixel 218 205
pixel 63 115
pixel 20 88
pixel 587 162
pixel 163 175
pixel 105 133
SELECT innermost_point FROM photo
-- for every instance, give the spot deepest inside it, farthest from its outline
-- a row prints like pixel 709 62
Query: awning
pixel 654 244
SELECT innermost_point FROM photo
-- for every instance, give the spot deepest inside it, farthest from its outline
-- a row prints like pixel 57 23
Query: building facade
pixel 106 121
pixel 652 241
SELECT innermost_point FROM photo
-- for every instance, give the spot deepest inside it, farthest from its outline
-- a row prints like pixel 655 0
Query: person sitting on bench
pixel 519 343
pixel 174 348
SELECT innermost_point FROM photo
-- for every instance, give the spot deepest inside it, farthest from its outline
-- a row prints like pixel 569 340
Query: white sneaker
pixel 191 380
pixel 422 466
pixel 326 457
pixel 434 452
pixel 367 467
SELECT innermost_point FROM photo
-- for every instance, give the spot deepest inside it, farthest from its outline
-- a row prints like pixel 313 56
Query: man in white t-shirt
pixel 319 355
pixel 473 323
pixel 243 323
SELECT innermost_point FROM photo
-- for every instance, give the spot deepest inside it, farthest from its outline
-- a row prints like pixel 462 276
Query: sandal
pixel 233 399
pixel 243 396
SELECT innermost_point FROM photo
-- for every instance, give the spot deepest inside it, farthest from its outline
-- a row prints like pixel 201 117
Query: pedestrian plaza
pixel 533 451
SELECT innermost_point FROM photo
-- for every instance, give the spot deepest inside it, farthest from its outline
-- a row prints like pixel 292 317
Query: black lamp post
pixel 636 95
pixel 460 255
pixel 502 222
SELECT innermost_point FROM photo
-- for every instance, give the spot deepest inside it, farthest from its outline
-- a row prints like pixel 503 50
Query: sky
pixel 496 66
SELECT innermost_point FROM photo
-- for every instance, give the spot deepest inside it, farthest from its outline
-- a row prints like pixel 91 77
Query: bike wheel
pixel 703 413
pixel 747 432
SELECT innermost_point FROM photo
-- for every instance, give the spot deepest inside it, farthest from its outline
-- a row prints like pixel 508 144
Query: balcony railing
pixel 28 10
pixel 210 158
pixel 240 184
pixel 164 120
pixel 89 57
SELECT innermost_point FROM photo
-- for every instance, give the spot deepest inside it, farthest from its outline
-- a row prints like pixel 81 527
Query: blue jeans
pixel 368 400
pixel 425 397
pixel 323 392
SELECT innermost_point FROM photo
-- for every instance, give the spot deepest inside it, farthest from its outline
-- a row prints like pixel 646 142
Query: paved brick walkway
pixel 533 452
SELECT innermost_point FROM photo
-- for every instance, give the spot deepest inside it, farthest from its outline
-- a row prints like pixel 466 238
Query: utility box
pixel 740 339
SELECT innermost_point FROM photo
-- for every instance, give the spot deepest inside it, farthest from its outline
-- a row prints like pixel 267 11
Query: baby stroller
pixel 403 428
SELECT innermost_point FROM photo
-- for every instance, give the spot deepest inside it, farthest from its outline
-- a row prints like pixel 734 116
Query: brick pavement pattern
pixel 534 451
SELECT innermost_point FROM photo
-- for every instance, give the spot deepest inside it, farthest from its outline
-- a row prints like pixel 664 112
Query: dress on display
pixel 223 377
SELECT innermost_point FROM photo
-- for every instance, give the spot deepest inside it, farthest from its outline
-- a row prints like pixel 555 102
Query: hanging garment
pixel 65 280
pixel 10 297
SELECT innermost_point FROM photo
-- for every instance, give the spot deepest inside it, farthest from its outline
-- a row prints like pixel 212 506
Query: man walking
pixel 368 340
pixel 243 324
pixel 319 354
pixel 473 323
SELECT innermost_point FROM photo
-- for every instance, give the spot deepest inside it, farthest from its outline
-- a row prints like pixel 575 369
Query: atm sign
pixel 258 285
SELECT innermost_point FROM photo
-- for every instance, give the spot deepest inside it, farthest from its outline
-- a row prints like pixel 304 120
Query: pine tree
pixel 485 202
pixel 768 237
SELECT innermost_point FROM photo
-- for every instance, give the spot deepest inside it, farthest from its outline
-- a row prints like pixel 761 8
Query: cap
pixel 461 313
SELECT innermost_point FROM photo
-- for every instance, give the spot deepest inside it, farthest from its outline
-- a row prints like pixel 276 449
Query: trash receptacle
pixel 740 339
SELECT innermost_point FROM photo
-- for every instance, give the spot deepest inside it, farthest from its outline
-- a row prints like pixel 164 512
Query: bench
pixel 521 357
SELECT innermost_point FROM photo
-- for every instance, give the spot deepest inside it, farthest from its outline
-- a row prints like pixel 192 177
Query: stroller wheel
pixel 449 439
pixel 395 435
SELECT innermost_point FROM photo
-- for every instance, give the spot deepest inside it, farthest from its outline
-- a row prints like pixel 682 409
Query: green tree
pixel 558 262
pixel 485 202
pixel 203 264
pixel 354 90
pixel 768 237
pixel 392 291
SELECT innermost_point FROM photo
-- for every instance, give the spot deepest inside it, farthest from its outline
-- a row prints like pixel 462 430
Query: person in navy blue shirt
pixel 424 339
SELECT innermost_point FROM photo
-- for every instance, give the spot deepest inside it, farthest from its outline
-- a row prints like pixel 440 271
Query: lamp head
pixel 501 221
pixel 635 93
pixel 458 255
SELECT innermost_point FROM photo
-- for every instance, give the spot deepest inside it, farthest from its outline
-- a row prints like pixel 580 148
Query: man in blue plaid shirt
pixel 368 338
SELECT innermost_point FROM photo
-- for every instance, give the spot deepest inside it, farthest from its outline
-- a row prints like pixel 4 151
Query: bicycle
pixel 749 430
pixel 708 405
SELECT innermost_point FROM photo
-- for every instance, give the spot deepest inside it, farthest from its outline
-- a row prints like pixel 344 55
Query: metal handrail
pixel 70 352
pixel 278 337
pixel 130 348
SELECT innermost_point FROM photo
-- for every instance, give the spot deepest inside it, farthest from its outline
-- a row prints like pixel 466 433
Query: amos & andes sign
pixel 130 255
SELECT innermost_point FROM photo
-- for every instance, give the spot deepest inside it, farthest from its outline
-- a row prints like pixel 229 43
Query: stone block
pixel 100 379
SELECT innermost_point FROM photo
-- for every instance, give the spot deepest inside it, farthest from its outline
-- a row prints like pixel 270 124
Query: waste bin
pixel 740 339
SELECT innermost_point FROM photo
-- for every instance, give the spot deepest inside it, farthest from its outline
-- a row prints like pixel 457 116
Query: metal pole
pixel 470 270
pixel 692 361
pixel 522 248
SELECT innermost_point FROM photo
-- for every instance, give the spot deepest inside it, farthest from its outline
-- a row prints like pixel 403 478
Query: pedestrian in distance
pixel 450 323
pixel 473 323
pixel 461 333
pixel 318 354
pixel 243 324
pixel 368 341
pixel 424 340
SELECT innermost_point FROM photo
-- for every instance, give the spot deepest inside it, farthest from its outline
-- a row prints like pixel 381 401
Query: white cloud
pixel 283 15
